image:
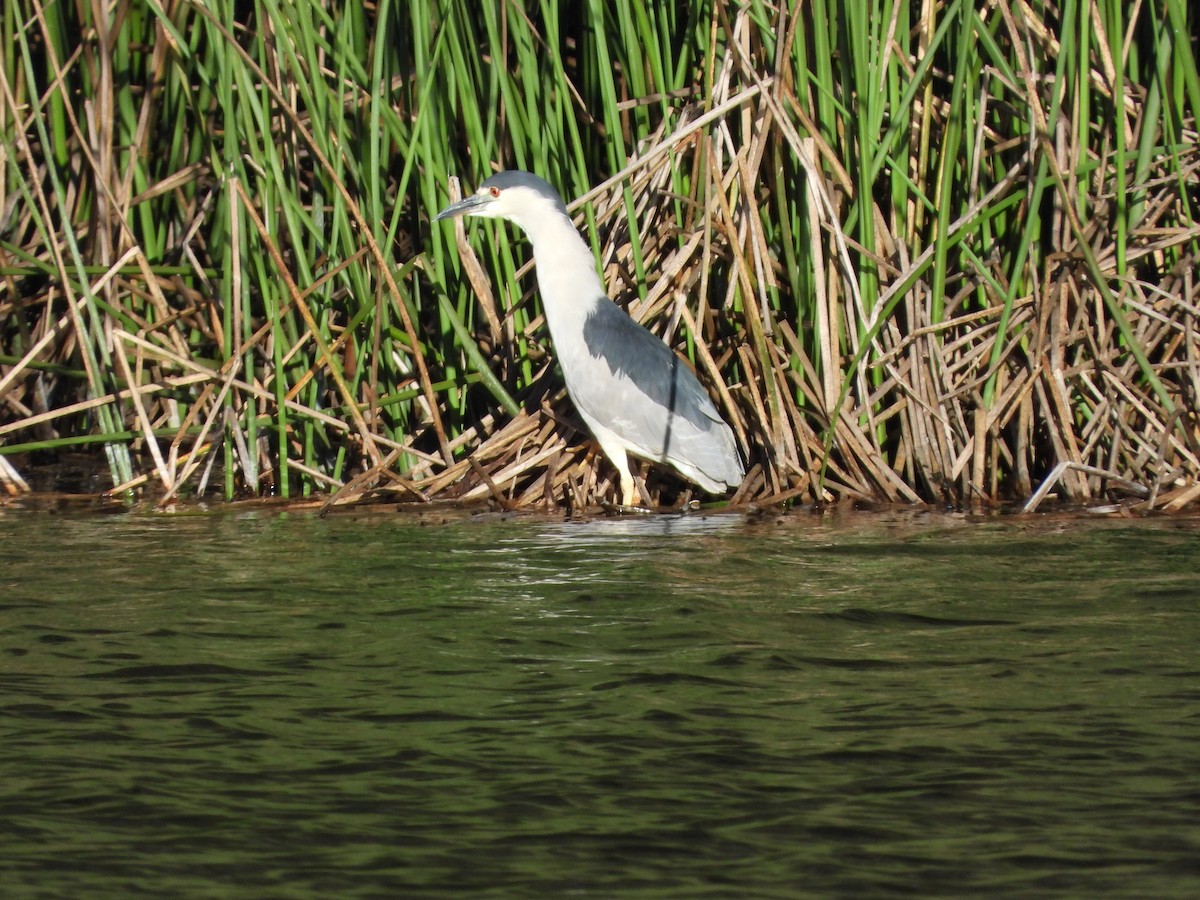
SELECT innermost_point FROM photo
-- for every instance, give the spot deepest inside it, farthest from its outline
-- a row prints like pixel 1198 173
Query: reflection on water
pixel 274 705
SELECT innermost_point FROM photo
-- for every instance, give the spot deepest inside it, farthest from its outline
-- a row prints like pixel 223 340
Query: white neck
pixel 566 273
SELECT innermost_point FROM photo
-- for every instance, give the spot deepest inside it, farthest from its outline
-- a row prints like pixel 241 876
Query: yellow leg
pixel 617 456
pixel 629 491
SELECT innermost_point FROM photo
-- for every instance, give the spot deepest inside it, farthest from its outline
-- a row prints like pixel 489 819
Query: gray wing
pixel 642 391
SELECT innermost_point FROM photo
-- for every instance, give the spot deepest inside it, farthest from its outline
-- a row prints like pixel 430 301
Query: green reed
pixel 269 176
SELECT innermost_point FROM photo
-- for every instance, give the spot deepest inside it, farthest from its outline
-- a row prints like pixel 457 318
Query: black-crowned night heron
pixel 635 395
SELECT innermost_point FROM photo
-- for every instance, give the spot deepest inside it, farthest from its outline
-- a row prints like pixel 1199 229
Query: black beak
pixel 463 207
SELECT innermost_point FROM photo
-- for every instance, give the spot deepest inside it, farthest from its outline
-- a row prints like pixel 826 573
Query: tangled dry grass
pixel 977 287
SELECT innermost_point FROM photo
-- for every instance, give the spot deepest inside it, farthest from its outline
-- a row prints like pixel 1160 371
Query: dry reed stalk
pixel 852 362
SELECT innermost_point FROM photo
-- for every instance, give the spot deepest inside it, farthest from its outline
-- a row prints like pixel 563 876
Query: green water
pixel 273 705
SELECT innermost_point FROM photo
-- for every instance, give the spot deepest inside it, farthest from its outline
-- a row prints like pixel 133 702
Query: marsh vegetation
pixel 916 252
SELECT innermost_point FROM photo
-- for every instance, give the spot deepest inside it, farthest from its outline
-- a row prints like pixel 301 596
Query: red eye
pixel 495 192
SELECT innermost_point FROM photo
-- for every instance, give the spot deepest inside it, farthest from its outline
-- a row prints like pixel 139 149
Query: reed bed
pixel 938 252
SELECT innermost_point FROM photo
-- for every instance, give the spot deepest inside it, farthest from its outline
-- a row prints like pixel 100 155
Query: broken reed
pixel 944 252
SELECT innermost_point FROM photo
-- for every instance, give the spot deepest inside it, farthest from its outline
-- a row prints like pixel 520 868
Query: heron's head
pixel 519 197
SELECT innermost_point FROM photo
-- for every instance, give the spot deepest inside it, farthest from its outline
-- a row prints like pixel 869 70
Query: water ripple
pixel 261 706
